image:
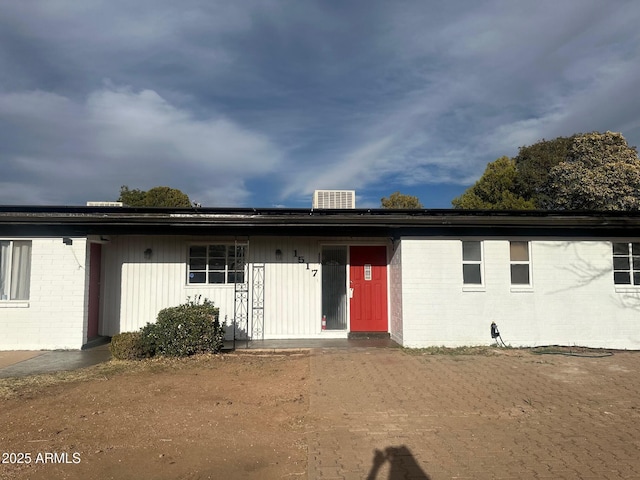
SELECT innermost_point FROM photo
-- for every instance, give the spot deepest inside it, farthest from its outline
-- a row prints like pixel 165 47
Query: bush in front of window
pixel 185 330
pixel 127 346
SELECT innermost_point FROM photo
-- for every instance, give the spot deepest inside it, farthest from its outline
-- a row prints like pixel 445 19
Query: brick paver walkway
pixel 385 414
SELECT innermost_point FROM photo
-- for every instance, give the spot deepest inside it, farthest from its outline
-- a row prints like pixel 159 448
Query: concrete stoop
pixel 369 335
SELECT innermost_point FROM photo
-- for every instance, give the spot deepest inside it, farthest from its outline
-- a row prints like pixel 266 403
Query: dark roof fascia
pixel 80 221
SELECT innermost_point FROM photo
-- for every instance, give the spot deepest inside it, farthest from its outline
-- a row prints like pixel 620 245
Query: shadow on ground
pixel 402 464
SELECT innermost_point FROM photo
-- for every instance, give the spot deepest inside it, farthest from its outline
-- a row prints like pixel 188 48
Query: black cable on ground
pixel 495 334
pixel 573 354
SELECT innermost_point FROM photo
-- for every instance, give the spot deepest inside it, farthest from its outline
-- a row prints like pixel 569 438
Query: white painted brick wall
pixel 55 315
pixel 573 300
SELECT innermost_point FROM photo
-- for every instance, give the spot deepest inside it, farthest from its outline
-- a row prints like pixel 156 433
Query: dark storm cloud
pixel 260 102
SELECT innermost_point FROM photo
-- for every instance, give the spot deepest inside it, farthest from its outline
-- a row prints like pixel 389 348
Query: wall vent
pixel 334 199
pixel 104 204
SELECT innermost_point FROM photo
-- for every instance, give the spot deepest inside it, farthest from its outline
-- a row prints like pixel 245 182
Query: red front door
pixel 368 276
pixel 95 257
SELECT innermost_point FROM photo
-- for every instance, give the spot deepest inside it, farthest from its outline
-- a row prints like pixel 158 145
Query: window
pixel 15 269
pixel 221 263
pixel 626 263
pixel 472 263
pixel 520 263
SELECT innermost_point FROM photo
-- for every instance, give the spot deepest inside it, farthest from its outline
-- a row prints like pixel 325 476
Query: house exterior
pixel 423 277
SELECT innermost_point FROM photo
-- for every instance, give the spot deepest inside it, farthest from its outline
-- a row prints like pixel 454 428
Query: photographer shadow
pixel 402 464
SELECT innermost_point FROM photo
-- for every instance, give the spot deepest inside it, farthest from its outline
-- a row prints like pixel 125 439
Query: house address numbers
pixel 300 258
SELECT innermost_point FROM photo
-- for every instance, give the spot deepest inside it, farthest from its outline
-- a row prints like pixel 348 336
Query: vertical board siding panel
pixel 137 299
pixel 126 286
pixel 119 254
pixel 291 292
pixel 273 278
pixel 124 295
pixel 133 298
pixel 309 301
pixel 292 295
pixel 280 277
pixel 149 285
pixel 144 291
pixel 300 318
pixel 148 270
pixel 131 293
pixel 296 293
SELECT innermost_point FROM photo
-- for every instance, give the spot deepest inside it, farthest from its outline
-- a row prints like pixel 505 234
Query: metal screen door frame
pixel 335 301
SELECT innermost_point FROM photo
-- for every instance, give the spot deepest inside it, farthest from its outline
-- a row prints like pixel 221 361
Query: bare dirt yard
pixel 357 413
pixel 227 416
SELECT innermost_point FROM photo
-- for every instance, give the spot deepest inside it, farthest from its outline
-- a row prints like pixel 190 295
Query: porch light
pixel 278 254
pixel 147 253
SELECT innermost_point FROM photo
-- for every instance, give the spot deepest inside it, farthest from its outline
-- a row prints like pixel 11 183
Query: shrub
pixel 187 329
pixel 127 346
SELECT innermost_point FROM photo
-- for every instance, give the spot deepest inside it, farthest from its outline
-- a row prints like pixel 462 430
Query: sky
pixel 257 103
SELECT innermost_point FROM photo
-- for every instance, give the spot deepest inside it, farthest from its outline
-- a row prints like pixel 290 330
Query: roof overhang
pixel 39 221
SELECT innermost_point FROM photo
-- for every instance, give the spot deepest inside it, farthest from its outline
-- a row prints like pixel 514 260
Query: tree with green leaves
pixel 399 200
pixel 495 190
pixel 132 198
pixel 154 197
pixel 593 171
pixel 601 172
pixel 533 164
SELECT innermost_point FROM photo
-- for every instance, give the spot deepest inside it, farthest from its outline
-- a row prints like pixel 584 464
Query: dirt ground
pixel 225 416
pixel 379 414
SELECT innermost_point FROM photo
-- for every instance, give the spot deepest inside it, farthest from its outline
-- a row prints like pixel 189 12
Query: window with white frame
pixel 626 264
pixel 472 262
pixel 15 269
pixel 520 263
pixel 218 263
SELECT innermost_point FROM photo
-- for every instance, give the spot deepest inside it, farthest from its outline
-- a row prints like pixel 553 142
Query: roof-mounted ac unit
pixel 334 199
pixel 104 204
